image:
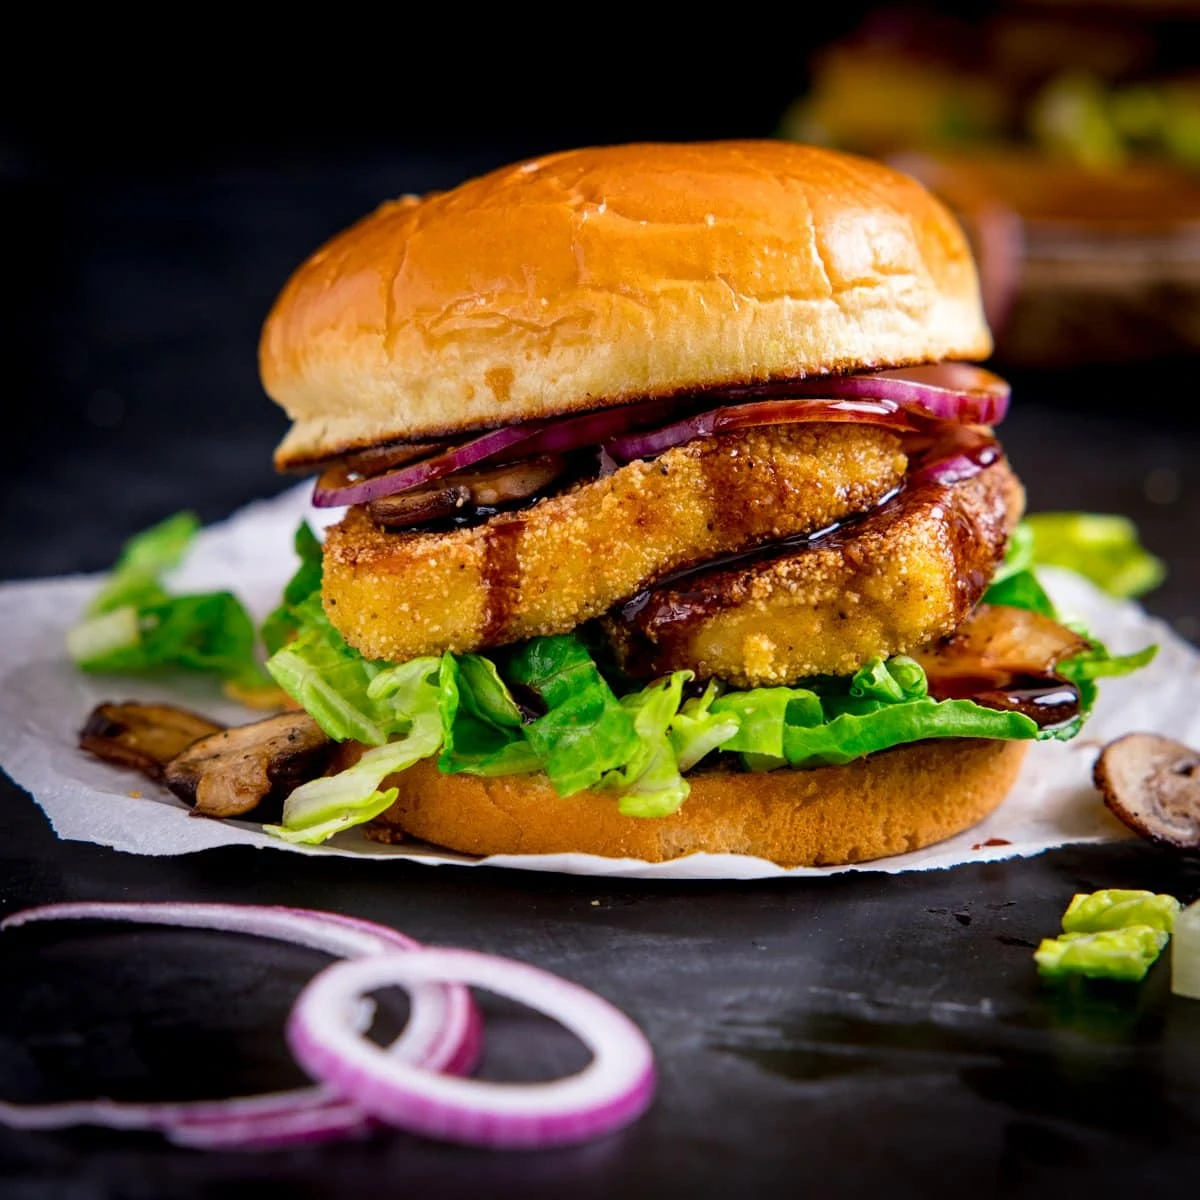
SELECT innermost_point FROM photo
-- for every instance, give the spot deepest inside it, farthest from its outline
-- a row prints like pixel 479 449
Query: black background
pixel 864 1035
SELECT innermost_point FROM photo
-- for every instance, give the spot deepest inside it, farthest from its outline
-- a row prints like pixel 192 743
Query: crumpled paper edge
pixel 44 700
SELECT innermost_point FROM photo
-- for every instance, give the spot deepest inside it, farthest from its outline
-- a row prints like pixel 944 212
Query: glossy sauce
pixel 656 622
pixel 501 570
pixel 670 600
pixel 1048 700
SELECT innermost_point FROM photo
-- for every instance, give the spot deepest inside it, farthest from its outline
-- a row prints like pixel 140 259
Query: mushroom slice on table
pixel 143 736
pixel 1152 784
pixel 230 773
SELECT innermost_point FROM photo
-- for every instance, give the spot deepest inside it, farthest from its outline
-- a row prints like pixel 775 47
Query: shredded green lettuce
pixel 1114 908
pixel 585 731
pixel 1114 933
pixel 481 723
pixel 1103 547
pixel 639 746
pixel 134 625
pixel 1125 954
pixel 282 624
pixel 650 783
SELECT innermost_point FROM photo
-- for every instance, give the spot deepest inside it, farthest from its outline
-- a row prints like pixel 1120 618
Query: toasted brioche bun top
pixel 603 276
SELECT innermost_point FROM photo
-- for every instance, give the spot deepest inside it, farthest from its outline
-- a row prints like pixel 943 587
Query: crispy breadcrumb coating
pixel 900 578
pixel 572 556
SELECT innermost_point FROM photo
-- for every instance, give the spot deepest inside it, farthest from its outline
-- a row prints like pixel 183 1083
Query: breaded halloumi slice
pixel 896 580
pixel 570 557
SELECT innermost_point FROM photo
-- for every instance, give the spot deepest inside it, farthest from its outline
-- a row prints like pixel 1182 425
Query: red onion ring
pixel 328 494
pixel 613 1089
pixel 961 454
pixel 499 446
pixel 763 412
pixel 443 1032
pixel 958 392
pixel 596 428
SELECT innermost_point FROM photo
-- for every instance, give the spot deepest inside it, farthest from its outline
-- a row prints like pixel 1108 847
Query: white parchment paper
pixel 44 700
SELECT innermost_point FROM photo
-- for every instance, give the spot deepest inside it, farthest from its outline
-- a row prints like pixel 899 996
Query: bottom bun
pixel 888 803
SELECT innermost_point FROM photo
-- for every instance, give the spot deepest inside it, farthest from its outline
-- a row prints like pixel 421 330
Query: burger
pixel 668 517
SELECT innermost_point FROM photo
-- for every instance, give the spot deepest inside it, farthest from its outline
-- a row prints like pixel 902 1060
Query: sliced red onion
pixel 613 1089
pixel 762 412
pixel 963 454
pixel 958 392
pixel 443 1032
pixel 500 446
pixel 293 1127
pixel 326 494
pixel 903 399
pixel 596 428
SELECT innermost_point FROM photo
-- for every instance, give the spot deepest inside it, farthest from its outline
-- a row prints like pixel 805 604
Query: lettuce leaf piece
pixel 696 730
pixel 854 735
pixel 407 695
pixel 329 679
pixel 1018 554
pixel 890 680
pixel 133 625
pixel 1114 908
pixel 1084 669
pixel 282 624
pixel 1101 546
pixel 486 694
pixel 762 714
pixel 208 632
pixel 317 810
pixel 650 783
pixel 482 731
pixel 1021 589
pixel 876 684
pixel 136 577
pixel 886 703
pixel 1126 953
pixel 346 811
pixel 585 730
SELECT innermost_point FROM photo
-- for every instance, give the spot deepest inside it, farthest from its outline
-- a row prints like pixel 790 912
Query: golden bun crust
pixel 603 276
pixel 888 803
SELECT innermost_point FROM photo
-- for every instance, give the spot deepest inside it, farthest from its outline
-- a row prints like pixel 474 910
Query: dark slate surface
pixel 857 1035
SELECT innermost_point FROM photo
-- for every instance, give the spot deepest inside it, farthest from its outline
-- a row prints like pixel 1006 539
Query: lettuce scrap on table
pixel 134 625
pixel 547 705
pixel 1110 934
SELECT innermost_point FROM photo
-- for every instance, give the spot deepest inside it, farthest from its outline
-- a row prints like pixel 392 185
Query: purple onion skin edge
pixel 415 1114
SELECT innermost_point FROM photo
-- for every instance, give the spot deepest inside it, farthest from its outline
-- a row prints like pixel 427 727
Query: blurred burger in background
pixel 1067 141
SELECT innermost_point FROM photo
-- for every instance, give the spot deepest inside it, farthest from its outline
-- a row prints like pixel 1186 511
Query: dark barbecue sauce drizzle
pixel 501 575
pixel 1047 700
pixel 981 451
